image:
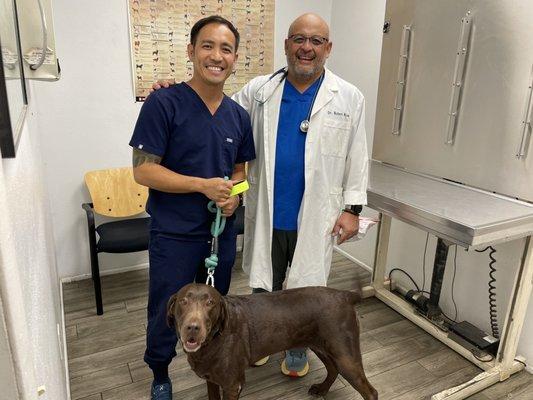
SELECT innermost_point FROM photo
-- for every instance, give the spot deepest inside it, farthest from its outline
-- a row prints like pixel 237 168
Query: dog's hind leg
pixel 351 368
pixel 320 389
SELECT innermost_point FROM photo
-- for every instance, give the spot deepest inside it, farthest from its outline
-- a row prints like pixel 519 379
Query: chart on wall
pixel 160 31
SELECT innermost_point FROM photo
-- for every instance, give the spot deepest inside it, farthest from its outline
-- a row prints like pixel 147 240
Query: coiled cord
pixel 493 311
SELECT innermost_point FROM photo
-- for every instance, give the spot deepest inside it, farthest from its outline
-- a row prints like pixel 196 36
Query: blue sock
pixel 160 374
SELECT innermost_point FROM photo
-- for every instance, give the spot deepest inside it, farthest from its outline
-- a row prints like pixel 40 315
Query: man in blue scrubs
pixel 186 140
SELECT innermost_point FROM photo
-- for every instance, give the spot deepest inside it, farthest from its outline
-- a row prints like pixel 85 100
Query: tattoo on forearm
pixel 142 157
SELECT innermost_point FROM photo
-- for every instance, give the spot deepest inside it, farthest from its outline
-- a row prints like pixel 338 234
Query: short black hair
pixel 214 19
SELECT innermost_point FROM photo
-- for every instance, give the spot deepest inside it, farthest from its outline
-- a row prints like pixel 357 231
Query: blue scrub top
pixel 176 125
pixel 289 177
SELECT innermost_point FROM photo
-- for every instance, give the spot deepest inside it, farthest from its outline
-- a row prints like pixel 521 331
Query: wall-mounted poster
pixel 160 33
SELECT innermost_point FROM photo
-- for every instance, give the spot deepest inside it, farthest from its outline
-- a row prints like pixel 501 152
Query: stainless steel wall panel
pixel 497 77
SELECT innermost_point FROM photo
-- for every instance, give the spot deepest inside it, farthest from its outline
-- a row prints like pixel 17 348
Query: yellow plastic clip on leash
pixel 239 188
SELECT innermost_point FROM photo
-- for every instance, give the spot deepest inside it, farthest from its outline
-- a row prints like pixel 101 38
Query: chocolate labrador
pixel 222 336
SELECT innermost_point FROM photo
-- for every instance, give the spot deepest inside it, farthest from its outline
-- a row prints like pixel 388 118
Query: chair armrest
pixel 88 207
pixel 91 228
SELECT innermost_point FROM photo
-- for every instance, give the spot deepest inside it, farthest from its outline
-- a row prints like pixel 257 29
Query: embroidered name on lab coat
pixel 338 114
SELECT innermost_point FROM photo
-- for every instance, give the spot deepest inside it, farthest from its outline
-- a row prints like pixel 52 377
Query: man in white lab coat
pixel 299 188
pixel 309 180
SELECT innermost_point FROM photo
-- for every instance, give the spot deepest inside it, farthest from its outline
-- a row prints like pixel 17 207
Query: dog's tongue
pixel 191 344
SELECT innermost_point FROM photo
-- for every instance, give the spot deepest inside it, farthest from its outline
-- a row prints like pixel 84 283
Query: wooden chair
pixel 114 193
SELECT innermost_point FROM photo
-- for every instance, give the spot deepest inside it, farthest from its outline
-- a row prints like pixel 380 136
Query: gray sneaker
pixel 295 363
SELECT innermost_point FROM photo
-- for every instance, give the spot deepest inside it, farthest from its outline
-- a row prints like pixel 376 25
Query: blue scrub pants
pixel 173 264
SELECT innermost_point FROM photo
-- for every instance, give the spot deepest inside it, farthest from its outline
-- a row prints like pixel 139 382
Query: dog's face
pixel 196 312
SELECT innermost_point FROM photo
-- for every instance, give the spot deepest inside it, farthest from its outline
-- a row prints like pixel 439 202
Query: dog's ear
pixel 171 320
pixel 222 319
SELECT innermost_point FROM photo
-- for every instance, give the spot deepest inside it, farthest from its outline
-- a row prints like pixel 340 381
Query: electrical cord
pixel 418 289
pixel 424 263
pixel 453 282
pixel 493 310
pixel 521 362
pixel 445 316
pixel 406 274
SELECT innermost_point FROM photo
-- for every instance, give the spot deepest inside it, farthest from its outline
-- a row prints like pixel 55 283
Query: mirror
pixel 13 100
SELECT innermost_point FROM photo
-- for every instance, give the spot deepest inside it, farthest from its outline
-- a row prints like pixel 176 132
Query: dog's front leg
pixel 213 391
pixel 231 392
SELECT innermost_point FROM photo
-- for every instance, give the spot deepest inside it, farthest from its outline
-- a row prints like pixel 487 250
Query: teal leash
pixel 217 227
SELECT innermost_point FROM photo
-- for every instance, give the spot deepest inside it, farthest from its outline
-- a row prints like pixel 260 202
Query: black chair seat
pixel 124 236
pixel 239 220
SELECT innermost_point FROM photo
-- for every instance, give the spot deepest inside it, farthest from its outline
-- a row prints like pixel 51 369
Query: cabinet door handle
pixel 401 80
pixel 526 121
pixel 458 76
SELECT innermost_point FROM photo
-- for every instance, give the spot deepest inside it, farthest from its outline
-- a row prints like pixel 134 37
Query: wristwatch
pixel 241 199
pixel 353 209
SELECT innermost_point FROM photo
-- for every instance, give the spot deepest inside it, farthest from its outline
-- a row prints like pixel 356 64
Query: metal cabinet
pixel 455 92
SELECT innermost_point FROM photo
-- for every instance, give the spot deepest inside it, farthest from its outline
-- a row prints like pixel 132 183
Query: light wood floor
pixel 401 361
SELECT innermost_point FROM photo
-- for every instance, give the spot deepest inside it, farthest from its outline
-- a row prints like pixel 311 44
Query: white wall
pixel 87 117
pixel 357 32
pixel 8 381
pixel 29 285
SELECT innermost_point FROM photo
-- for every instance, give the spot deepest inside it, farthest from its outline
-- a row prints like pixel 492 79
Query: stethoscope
pixel 304 125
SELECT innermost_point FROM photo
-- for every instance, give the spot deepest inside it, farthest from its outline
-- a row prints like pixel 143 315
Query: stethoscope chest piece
pixel 304 126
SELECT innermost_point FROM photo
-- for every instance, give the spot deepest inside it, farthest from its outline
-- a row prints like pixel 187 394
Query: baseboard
pixel 352 258
pixel 64 341
pixel 106 272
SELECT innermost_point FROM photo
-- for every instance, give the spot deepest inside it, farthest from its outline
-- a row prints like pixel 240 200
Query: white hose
pixel 45 38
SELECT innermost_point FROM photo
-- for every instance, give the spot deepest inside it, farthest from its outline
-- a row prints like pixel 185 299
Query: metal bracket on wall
pixel 458 76
pixel 526 121
pixel 401 81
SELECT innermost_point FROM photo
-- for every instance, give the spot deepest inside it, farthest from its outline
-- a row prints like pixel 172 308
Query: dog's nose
pixel 193 328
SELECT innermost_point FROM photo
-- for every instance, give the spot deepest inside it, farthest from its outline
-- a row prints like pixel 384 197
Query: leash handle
pixel 217 227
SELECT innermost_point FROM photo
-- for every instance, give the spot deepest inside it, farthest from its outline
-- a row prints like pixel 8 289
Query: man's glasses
pixel 316 41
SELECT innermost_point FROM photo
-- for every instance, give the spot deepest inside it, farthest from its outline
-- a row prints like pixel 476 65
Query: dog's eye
pixel 183 301
pixel 210 302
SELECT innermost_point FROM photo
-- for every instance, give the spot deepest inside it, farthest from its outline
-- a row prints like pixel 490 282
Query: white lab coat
pixel 336 173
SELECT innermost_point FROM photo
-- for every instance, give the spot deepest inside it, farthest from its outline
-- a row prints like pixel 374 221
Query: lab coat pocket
pixel 335 206
pixel 335 137
pixel 250 197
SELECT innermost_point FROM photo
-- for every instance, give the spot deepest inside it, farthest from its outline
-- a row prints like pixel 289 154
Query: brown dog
pixel 224 335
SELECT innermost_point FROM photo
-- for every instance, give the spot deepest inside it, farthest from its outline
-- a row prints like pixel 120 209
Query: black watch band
pixel 241 199
pixel 354 209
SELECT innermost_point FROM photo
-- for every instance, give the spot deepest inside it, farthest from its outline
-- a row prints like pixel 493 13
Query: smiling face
pixel 196 311
pixel 306 60
pixel 213 54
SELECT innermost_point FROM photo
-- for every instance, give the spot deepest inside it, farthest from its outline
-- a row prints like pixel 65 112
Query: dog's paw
pixel 317 390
